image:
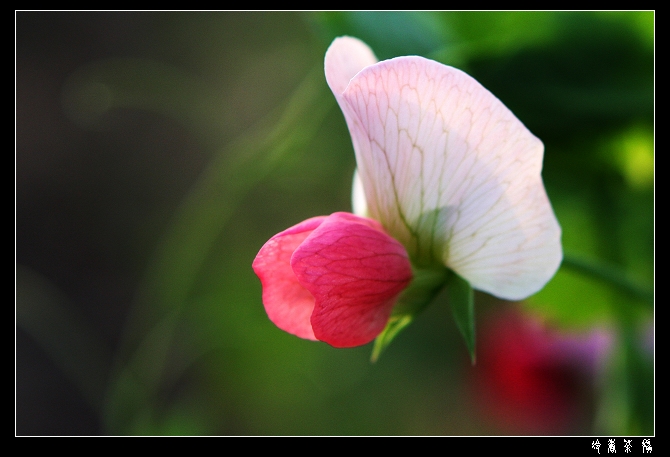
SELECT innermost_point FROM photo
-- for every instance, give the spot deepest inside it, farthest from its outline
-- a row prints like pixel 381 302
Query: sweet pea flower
pixel 448 179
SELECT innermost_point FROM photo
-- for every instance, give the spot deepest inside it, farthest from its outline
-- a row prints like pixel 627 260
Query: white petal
pixel 358 201
pixel 448 169
pixel 345 57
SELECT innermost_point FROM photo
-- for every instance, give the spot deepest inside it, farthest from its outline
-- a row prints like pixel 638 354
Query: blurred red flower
pixel 530 380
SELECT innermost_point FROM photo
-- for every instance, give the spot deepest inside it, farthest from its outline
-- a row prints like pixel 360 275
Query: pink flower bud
pixel 332 278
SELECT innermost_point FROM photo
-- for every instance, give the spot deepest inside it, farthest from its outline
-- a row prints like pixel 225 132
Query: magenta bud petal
pixel 288 304
pixel 355 271
pixel 332 278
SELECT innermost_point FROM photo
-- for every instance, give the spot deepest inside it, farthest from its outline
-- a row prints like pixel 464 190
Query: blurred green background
pixel 157 152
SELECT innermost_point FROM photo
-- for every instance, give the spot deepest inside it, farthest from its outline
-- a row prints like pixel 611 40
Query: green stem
pixel 610 275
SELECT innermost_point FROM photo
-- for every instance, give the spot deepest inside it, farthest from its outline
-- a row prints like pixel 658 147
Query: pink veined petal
pixel 288 304
pixel 344 59
pixel 355 272
pixel 449 171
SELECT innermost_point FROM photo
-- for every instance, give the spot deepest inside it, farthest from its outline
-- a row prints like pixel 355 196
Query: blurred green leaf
pixel 388 33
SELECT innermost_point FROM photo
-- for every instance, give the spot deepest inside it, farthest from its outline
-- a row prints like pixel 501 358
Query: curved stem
pixel 610 275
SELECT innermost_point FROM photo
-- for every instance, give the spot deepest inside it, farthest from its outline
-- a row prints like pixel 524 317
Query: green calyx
pixel 424 288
